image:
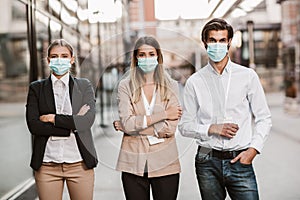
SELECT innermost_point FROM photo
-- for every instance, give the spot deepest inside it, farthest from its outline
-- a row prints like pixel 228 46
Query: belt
pixel 223 155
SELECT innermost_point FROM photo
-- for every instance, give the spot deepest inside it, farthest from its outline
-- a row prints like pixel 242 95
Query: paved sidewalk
pixel 276 168
pixel 278 165
pixel 284 122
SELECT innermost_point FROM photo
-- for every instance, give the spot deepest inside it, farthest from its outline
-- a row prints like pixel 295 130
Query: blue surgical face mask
pixel 147 65
pixel 217 51
pixel 60 65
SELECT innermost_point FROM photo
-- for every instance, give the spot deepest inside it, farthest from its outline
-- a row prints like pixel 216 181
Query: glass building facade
pixel 27 28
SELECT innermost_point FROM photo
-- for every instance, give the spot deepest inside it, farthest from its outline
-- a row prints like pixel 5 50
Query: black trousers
pixel 138 187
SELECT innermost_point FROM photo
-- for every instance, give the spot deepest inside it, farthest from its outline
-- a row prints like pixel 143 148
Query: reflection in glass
pixel 15 140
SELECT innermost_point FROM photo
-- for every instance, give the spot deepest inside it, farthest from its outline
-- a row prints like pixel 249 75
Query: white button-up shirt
pixel 149 109
pixel 148 106
pixel 236 96
pixel 62 149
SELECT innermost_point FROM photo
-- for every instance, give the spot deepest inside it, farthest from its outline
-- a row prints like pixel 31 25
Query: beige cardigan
pixel 162 159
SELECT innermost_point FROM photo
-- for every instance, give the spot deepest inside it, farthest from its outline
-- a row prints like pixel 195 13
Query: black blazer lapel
pixel 75 94
pixel 71 86
pixel 49 96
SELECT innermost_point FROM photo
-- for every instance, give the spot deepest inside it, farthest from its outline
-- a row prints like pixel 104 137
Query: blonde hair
pixel 64 43
pixel 161 77
pixel 61 43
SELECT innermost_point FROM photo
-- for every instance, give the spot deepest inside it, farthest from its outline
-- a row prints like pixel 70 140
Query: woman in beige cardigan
pixel 149 111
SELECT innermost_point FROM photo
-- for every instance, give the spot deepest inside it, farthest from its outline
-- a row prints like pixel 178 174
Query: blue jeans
pixel 215 176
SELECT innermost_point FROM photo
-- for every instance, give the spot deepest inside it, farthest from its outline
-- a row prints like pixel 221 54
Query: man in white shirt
pixel 220 102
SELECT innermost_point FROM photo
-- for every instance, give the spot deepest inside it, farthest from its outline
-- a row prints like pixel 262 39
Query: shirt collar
pixel 64 79
pixel 227 68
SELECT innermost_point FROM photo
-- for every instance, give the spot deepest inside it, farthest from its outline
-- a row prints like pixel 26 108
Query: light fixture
pixel 223 8
pixel 67 18
pixel 211 6
pixel 41 18
pixel 54 26
pixel 71 4
pixel 55 5
pixel 82 14
pixel 238 13
pixel 249 5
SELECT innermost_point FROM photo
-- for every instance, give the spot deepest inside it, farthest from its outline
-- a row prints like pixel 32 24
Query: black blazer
pixel 40 101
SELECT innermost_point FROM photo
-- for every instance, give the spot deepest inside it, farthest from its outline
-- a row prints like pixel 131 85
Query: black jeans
pixel 138 187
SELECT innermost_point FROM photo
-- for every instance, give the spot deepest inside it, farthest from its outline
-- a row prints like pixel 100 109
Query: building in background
pixel 27 28
pixel 267 36
pixel 178 25
pixel 290 37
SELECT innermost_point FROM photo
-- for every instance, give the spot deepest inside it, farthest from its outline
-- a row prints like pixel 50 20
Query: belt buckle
pixel 228 154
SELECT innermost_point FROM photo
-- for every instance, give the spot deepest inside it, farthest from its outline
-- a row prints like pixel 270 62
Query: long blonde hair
pixel 161 77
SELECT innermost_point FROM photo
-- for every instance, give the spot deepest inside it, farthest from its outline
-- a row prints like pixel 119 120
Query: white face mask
pixel 147 65
pixel 60 65
pixel 217 51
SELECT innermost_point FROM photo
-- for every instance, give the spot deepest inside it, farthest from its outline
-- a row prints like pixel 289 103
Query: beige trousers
pixel 50 180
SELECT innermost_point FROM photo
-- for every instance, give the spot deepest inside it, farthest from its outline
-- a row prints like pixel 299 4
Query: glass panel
pixel 41 4
pixel 15 140
pixel 86 60
pixel 55 29
pixel 42 24
pixel 71 37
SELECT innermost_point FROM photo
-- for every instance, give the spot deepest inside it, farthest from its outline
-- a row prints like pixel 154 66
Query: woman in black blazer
pixel 60 111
